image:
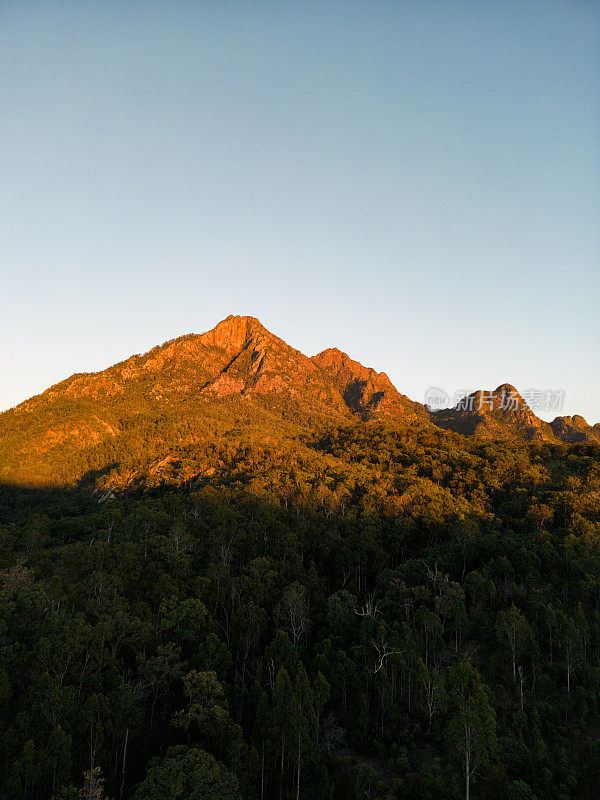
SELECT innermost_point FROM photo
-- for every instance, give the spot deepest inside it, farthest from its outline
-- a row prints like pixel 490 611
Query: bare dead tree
pixel 371 608
pixel 384 650
pixel 293 612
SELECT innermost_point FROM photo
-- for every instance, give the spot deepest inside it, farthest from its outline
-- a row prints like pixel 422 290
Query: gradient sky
pixel 416 183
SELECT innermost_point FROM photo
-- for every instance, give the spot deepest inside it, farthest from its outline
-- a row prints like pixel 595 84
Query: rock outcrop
pixel 498 414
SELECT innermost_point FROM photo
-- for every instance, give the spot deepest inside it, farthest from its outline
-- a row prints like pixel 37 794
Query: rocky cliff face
pixel 260 365
pixel 504 414
pixel 366 392
pixel 238 357
pixel 575 429
pixel 498 414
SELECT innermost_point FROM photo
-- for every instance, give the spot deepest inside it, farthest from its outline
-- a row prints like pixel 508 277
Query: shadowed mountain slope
pixel 366 392
pixel 504 414
pixel 575 429
pixel 498 414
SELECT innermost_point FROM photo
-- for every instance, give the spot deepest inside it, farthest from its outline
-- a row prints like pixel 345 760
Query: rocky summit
pixel 504 414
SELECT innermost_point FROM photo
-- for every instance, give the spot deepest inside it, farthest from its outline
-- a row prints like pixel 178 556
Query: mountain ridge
pixel 236 376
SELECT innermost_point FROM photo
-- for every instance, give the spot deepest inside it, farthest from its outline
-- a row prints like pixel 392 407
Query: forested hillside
pixel 366 609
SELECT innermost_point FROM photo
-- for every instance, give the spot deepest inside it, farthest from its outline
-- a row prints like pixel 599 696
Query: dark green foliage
pixel 186 773
pixel 357 615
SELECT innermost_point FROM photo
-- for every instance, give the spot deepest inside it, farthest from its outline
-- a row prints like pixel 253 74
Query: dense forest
pixel 366 612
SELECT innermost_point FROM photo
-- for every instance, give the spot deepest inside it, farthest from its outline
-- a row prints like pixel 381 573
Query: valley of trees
pixel 363 612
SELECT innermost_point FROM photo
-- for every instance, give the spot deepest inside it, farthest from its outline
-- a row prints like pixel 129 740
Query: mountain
pixel 575 429
pixel 143 413
pixel 498 414
pixel 365 392
pixel 315 560
pixel 167 414
pixel 504 414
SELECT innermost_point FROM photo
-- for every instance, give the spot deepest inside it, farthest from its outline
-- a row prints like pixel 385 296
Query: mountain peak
pixel 498 414
pixel 505 399
pixel 575 429
pixel 336 361
pixel 364 390
pixel 506 389
pixel 232 333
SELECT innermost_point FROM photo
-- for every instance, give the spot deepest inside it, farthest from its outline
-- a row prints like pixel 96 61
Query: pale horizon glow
pixel 415 183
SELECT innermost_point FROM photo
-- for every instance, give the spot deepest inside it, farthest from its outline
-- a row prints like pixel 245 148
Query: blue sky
pixel 417 183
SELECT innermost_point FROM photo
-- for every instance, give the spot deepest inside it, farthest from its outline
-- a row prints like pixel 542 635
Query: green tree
pixel 471 733
pixel 514 632
pixel 93 785
pixel 187 773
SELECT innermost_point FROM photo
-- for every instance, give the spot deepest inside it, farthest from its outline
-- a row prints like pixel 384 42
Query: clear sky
pixel 416 183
